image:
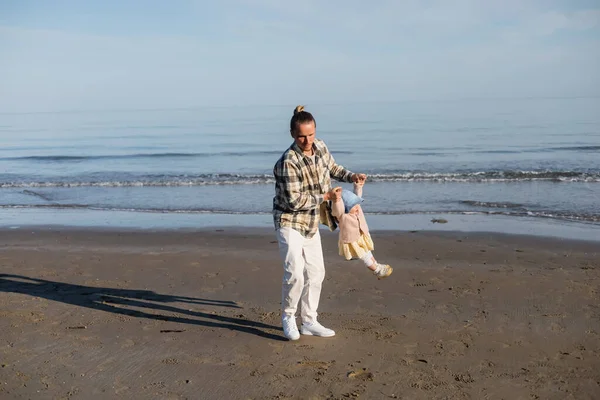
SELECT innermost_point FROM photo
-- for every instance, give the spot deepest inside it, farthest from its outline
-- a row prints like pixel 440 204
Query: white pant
pixel 304 271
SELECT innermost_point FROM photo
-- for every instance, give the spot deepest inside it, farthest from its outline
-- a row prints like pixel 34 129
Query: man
pixel 302 186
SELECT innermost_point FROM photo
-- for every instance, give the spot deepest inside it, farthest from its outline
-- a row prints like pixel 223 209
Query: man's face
pixel 305 136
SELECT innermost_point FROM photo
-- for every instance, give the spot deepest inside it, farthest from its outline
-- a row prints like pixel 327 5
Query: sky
pixel 144 54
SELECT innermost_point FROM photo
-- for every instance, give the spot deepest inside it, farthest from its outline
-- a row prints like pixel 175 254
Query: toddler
pixel 355 241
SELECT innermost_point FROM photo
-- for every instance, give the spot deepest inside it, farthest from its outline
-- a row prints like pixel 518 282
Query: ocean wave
pixel 489 176
pixel 42 196
pixel 558 215
pixel 492 204
pixel 150 181
pixel 578 148
pixel 542 150
pixel 67 158
pixel 262 179
pixel 77 158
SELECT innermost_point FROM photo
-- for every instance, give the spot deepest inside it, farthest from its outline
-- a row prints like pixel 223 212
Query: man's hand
pixel 334 194
pixel 359 178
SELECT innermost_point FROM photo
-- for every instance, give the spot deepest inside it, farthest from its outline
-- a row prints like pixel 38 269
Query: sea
pixel 501 165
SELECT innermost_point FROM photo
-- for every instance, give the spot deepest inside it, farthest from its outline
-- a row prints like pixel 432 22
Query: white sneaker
pixel 290 329
pixel 316 329
pixel 384 271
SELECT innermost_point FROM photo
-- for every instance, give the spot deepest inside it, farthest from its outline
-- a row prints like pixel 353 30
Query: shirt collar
pixel 316 150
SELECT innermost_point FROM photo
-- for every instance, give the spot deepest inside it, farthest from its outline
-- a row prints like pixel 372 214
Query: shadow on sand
pixel 114 300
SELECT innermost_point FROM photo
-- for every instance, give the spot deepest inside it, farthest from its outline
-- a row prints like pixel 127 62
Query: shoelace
pixel 288 325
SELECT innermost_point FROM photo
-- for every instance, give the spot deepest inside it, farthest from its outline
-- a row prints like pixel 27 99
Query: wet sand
pixel 99 314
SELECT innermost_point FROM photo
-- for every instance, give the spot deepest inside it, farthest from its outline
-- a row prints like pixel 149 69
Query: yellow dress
pixel 357 249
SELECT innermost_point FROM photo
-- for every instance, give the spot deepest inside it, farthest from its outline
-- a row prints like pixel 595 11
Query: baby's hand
pixel 337 194
pixel 360 183
pixel 359 178
pixel 334 194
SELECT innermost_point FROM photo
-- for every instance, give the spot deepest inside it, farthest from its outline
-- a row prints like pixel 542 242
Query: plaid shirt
pixel 301 185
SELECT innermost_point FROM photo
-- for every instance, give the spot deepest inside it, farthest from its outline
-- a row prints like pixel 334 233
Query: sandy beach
pixel 100 314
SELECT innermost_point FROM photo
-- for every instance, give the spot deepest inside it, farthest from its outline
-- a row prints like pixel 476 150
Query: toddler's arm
pixel 358 188
pixel 337 208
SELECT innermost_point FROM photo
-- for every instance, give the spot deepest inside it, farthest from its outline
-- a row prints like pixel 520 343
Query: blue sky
pixel 120 54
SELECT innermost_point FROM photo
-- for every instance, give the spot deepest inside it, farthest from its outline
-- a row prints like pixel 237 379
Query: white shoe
pixel 384 271
pixel 316 329
pixel 290 329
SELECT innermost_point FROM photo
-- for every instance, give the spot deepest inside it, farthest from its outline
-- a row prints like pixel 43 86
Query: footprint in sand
pixel 361 374
pixel 315 364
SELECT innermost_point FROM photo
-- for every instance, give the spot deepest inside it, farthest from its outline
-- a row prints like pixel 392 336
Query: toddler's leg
pixel 369 261
pixel 380 270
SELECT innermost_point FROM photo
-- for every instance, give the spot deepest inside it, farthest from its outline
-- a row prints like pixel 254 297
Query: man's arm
pixel 288 178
